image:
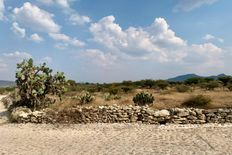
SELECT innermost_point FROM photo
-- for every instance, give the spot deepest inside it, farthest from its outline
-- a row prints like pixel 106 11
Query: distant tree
pixel 210 85
pixel 162 84
pixel 225 80
pixel 194 80
pixel 148 83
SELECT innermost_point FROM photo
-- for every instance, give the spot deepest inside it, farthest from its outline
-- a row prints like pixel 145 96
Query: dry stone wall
pixel 123 114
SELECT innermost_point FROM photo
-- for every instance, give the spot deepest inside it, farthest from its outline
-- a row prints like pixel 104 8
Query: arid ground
pixel 118 139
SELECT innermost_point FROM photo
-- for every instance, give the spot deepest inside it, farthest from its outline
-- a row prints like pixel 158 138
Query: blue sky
pixel 115 40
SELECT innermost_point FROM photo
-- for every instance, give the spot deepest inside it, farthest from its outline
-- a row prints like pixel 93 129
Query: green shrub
pixel 198 101
pixel 183 88
pixel 161 84
pixel 35 83
pixel 210 85
pixel 85 97
pixel 225 80
pixel 113 90
pixel 142 99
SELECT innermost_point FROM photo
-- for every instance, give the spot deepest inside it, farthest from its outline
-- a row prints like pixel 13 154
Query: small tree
pixel 162 84
pixel 35 83
pixel 210 85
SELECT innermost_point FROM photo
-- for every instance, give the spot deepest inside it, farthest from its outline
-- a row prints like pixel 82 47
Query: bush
pixel 229 86
pixel 5 90
pixel 198 101
pixel 113 90
pixel 225 80
pixel 182 88
pixel 108 97
pixel 210 85
pixel 85 97
pixel 126 89
pixel 162 84
pixel 35 83
pixel 143 99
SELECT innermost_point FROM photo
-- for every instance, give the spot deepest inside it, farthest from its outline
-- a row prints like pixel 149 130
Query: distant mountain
pixel 188 76
pixel 4 83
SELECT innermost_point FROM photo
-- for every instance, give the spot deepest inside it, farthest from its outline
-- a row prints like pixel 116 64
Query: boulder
pixel 162 113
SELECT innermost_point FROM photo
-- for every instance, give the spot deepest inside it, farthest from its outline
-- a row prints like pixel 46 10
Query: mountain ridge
pixel 192 75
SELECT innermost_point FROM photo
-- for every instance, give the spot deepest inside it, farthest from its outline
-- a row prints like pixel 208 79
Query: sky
pixel 116 40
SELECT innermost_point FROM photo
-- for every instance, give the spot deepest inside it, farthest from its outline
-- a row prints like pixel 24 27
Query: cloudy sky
pixel 115 40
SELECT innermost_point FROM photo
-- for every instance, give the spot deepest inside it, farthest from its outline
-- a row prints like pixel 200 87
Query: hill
pixel 188 76
pixel 4 83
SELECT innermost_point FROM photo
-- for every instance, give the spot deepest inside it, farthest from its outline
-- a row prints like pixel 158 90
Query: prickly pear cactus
pixel 143 99
pixel 35 83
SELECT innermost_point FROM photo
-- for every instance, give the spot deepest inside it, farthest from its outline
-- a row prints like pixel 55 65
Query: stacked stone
pixel 123 114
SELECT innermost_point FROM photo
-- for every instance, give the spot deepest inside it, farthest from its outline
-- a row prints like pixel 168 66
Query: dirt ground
pixel 115 139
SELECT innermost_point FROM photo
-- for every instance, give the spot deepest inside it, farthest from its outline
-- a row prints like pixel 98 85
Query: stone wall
pixel 123 114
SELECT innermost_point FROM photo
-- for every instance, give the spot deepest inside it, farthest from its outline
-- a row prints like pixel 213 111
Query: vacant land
pixel 115 139
pixel 163 98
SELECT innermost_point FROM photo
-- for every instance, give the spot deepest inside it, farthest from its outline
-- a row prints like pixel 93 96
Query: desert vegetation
pixel 37 87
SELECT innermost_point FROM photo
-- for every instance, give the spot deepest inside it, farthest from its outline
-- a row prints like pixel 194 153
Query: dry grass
pixel 163 99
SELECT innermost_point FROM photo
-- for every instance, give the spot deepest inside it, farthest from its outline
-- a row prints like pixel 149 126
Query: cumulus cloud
pixel 157 43
pixel 21 32
pixel 35 18
pixel 66 41
pixel 209 37
pixel 140 43
pixel 188 5
pixel 61 3
pixel 77 19
pixel 2 8
pixel 36 38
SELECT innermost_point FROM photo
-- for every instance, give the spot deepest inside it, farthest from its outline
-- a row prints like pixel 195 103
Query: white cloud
pixel 61 3
pixel 140 43
pixel 188 5
pixel 66 40
pixel 209 37
pixel 17 55
pixel 35 18
pixel 156 43
pixel 205 57
pixel 35 37
pixel 77 19
pixel 21 32
pixel 2 9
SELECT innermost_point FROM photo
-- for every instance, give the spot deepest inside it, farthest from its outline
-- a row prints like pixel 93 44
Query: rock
pixel 201 117
pixel 183 113
pixel 162 113
pixel 20 112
